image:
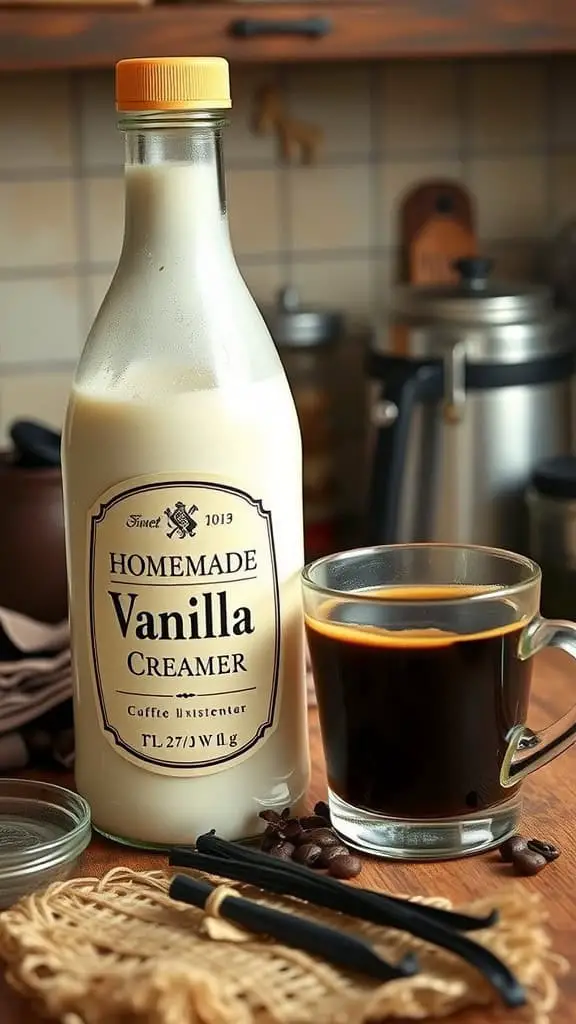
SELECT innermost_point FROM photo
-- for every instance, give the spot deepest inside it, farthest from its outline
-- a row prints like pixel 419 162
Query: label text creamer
pixel 211 615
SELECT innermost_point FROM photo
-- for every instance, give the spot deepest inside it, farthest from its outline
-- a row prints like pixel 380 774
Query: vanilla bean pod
pixel 215 855
pixel 210 843
pixel 331 945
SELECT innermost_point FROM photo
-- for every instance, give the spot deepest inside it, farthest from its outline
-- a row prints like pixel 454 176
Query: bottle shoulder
pixel 202 317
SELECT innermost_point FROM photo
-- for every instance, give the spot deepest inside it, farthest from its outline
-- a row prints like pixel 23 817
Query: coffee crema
pixel 417 693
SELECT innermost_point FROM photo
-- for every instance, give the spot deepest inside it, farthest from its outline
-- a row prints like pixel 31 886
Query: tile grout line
pixel 376 92
pixel 464 113
pixel 342 161
pixel 258 259
pixel 549 96
pixel 77 96
pixel 285 253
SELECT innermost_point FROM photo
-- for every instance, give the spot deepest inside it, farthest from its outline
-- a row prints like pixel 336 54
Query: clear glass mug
pixel 421 656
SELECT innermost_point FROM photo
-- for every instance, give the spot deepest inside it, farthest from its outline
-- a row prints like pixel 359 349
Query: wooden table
pixel 550 813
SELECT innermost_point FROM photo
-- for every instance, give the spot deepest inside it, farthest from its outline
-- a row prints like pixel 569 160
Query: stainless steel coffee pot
pixel 477 391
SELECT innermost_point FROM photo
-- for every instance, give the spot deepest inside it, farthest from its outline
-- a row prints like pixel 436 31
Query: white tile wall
pixel 345 120
pixel 41 320
pixel 103 201
pixel 37 224
pixel 507 107
pixel 418 109
pixel 35 123
pixel 506 128
pixel 254 210
pixel 101 142
pixel 330 207
pixel 563 188
pixel 511 195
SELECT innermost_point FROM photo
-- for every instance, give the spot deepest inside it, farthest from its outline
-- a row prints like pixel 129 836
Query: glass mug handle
pixel 528 750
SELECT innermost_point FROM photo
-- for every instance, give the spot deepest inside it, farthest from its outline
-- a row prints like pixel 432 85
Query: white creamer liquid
pixel 181 321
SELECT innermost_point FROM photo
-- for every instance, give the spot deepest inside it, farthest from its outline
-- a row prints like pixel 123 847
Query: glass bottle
pixel 183 497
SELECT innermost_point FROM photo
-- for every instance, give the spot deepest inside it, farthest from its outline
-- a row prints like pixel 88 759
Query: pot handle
pixel 527 751
pixel 404 386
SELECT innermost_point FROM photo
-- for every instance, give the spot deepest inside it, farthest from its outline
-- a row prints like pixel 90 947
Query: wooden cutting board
pixel 436 225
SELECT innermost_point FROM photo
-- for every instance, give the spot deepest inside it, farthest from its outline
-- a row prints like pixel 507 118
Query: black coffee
pixel 414 720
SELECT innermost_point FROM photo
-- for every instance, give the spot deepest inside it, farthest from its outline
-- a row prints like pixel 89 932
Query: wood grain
pixel 550 813
pixel 63 37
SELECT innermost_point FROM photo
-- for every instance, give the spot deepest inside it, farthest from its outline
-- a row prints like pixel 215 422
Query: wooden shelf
pixel 82 37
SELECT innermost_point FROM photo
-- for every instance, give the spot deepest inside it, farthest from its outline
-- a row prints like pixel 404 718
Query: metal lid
pixel 475 300
pixel 292 325
pixel 43 829
pixel 556 477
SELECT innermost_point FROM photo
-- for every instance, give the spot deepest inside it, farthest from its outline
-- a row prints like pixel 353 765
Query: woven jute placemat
pixel 118 950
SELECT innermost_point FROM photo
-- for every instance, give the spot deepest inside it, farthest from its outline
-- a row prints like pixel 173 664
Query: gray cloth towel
pixel 35 679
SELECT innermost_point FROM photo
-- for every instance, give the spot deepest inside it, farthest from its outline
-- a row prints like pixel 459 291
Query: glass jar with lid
pixel 307 339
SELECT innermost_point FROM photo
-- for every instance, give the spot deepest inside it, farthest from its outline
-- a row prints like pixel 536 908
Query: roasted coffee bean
pixel 314 821
pixel 347 866
pixel 271 816
pixel 292 829
pixel 307 854
pixel 322 809
pixel 526 862
pixel 272 829
pixel 285 814
pixel 547 850
pixel 270 837
pixel 267 842
pixel 320 836
pixel 330 852
pixel 512 846
pixel 283 850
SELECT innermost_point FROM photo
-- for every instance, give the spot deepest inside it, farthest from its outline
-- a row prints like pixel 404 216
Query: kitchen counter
pixel 550 813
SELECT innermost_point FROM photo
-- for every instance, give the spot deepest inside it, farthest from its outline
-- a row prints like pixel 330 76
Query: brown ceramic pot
pixel 32 551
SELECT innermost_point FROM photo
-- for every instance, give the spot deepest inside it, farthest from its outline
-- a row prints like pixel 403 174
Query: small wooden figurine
pixel 299 141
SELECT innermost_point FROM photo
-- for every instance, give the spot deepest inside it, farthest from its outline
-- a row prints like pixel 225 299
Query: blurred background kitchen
pixel 344 180
pixel 504 129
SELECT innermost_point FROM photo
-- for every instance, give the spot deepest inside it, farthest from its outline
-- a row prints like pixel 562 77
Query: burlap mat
pixel 119 951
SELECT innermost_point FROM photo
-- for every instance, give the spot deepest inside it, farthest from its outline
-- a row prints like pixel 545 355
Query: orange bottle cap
pixel 173 83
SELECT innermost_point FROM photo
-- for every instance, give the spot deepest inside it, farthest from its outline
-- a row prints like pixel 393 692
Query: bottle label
pixel 184 622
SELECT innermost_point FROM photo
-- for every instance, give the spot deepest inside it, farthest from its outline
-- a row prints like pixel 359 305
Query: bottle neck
pixel 175 187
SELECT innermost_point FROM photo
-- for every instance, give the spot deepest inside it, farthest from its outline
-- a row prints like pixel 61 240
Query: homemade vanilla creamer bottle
pixel 183 496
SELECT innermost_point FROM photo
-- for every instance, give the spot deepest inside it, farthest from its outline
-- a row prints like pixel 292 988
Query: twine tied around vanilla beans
pixel 119 950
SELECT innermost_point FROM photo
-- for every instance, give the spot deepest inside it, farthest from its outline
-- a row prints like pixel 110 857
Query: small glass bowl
pixel 43 831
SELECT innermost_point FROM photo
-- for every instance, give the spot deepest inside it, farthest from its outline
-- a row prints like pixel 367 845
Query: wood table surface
pixel 550 813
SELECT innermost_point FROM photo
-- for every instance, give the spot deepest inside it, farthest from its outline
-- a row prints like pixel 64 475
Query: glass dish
pixel 43 831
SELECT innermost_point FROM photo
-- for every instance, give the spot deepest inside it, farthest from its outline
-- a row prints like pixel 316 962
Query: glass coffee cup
pixel 422 663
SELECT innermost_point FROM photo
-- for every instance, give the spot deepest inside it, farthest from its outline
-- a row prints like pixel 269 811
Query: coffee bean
pixel 292 829
pixel 307 854
pixel 320 836
pixel 283 850
pixel 314 821
pixel 547 850
pixel 526 862
pixel 322 809
pixel 512 846
pixel 271 816
pixel 329 853
pixel 347 866
pixel 267 842
pixel 285 814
